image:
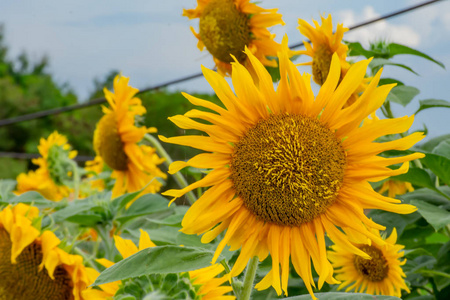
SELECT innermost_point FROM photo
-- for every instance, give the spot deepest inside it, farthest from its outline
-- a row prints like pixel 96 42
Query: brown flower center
pixel 288 169
pixel 224 30
pixel 108 144
pixel 24 281
pixel 321 64
pixel 375 269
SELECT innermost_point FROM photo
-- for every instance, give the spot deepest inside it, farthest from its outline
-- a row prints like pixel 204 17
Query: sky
pixel 151 42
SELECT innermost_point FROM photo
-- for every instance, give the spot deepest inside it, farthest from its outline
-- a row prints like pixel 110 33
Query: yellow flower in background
pixel 94 168
pixel 228 26
pixel 49 179
pixel 380 275
pixel 324 44
pixel 31 263
pixel 207 284
pixel 395 187
pixel 288 167
pixel 116 141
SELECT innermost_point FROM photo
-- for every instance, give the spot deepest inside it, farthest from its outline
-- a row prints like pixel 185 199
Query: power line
pixel 59 110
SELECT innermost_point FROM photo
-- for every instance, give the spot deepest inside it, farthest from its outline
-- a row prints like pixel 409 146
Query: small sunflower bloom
pixel 116 141
pixel 288 167
pixel 324 44
pixel 205 280
pixel 94 168
pixel 228 26
pixel 53 173
pixel 395 187
pixel 380 275
pixel 31 263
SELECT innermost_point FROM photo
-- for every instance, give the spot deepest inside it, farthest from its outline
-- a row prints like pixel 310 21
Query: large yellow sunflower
pixel 116 141
pixel 395 187
pixel 208 286
pixel 288 167
pixel 324 44
pixel 49 178
pixel 228 26
pixel 31 263
pixel 380 275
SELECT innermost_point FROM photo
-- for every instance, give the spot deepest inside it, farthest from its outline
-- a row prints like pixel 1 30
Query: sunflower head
pixel 324 44
pixel 32 264
pixel 288 167
pixel 228 26
pixel 117 138
pixel 381 274
pixel 53 176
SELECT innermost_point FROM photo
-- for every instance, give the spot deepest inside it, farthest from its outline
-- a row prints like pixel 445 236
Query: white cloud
pixel 382 30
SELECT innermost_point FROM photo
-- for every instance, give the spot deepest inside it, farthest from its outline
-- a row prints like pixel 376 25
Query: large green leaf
pixel 402 94
pixel 395 49
pixel 443 149
pixel 343 296
pixel 436 216
pixel 430 103
pixel 356 49
pixel 440 166
pixel 157 260
pixel 6 188
pixel 380 62
pixel 74 208
pixel 34 198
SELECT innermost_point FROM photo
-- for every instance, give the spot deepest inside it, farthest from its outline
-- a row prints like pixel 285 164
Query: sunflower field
pixel 281 184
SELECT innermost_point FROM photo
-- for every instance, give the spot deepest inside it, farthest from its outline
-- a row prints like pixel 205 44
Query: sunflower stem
pixel 87 259
pixel 76 179
pixel 181 181
pixel 106 241
pixel 249 278
pixel 237 286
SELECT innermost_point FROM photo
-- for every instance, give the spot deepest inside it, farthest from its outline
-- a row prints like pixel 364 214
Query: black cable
pixel 54 111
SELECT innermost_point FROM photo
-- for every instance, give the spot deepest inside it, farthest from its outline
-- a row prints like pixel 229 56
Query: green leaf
pixel 430 103
pixel 443 149
pixel 402 94
pixel 85 219
pixel 440 166
pixel 391 220
pixel 380 62
pixel 74 208
pixel 147 204
pixel 431 144
pixel 384 81
pixel 436 216
pixel 418 177
pixel 34 198
pixel 395 49
pixel 6 188
pixel 356 49
pixel 157 260
pixel 342 296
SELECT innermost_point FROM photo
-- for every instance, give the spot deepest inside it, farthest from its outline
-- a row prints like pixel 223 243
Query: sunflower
pixel 31 263
pixel 289 167
pixel 395 187
pixel 380 275
pixel 205 281
pixel 324 44
pixel 228 26
pixel 53 172
pixel 116 141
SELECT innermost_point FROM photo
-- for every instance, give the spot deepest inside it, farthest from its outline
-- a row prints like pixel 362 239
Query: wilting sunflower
pixel 289 167
pixel 395 187
pixel 228 26
pixel 116 141
pixel 31 264
pixel 53 173
pixel 380 275
pixel 205 281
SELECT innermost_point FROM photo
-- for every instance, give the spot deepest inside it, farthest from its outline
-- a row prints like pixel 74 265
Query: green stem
pixel 76 179
pixel 181 181
pixel 87 259
pixel 102 232
pixel 235 285
pixel 249 278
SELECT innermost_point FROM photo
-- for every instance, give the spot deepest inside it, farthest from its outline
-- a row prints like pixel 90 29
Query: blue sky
pixel 151 42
